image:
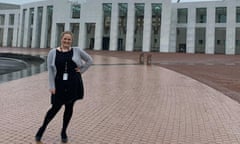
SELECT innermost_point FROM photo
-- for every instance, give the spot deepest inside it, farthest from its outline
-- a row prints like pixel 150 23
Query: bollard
pixel 149 59
pixel 141 58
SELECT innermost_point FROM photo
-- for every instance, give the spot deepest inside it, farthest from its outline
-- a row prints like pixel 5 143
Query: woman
pixel 65 66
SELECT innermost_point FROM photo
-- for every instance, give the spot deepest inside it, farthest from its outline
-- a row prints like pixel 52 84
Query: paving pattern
pixel 124 103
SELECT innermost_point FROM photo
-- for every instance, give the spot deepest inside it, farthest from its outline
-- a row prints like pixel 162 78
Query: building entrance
pixel 105 43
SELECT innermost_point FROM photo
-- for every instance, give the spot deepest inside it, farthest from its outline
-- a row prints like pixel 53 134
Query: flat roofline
pixel 6 6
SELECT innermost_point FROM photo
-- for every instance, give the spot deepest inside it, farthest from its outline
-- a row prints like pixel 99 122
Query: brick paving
pixel 124 103
pixel 220 72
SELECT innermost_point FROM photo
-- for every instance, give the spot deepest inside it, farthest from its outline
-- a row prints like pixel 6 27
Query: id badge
pixel 65 76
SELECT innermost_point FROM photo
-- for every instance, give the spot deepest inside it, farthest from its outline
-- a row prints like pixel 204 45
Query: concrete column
pixel 114 27
pixel 20 29
pixel 82 36
pixel 165 26
pixel 147 27
pixel 53 31
pixel 5 30
pixel 99 31
pixel 15 30
pixel 26 28
pixel 130 27
pixel 34 28
pixel 173 32
pixel 210 30
pixel 231 29
pixel 43 42
pixel 53 36
pixel 191 30
pixel 67 26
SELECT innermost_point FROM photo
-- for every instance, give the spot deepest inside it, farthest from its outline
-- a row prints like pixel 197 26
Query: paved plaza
pixel 125 103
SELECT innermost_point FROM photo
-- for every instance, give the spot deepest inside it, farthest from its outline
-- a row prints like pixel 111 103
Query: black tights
pixel 54 110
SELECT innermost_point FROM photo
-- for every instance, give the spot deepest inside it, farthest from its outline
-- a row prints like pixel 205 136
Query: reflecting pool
pixel 16 66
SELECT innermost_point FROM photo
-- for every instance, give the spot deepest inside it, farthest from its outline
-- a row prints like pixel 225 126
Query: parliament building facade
pixel 211 27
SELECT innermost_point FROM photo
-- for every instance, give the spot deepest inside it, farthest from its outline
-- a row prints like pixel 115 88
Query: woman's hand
pixel 52 91
pixel 77 69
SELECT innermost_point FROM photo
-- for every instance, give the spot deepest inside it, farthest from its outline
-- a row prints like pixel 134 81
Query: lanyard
pixel 65 75
pixel 65 67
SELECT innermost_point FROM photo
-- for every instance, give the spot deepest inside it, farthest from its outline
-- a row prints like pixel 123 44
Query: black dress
pixel 69 90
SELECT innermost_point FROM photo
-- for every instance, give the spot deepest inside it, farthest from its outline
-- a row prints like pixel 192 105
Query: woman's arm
pixel 87 59
pixel 51 74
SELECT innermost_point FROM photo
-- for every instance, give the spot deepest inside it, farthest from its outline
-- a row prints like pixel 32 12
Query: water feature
pixel 15 66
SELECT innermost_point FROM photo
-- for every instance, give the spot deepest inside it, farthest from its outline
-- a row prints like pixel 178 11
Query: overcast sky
pixel 27 1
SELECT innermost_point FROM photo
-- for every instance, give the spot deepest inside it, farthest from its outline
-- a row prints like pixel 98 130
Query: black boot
pixel 64 137
pixel 39 134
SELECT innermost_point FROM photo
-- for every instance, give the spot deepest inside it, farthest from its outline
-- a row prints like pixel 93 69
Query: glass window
pixel 122 19
pixel 11 19
pixel 238 43
pixel 59 30
pixel 182 15
pixel 139 10
pixel 75 30
pixel 31 16
pixel 156 14
pixel 107 12
pixel 76 9
pixel 1 36
pixel 201 15
pixel 139 23
pixel 238 14
pixel 122 26
pixel 2 19
pixel 39 17
pixel 221 14
pixel 156 26
pixel 49 24
pixel 123 8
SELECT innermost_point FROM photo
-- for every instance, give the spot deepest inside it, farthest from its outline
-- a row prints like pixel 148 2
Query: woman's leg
pixel 49 116
pixel 66 119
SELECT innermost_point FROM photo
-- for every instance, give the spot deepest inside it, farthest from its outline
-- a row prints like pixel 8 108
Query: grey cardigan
pixel 79 56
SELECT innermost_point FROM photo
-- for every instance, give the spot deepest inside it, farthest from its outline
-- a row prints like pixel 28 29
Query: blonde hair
pixel 67 32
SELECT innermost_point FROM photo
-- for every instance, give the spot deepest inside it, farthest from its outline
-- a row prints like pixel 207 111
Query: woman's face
pixel 66 41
